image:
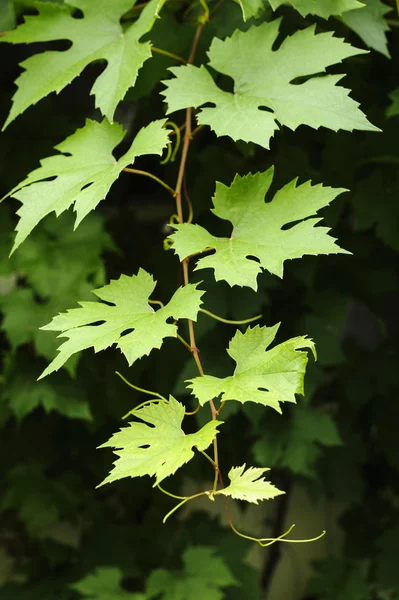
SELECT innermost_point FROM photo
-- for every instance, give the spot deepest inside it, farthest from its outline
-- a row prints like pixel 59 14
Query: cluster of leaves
pixel 262 67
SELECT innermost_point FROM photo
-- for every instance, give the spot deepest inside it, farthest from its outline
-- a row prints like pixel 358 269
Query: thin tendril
pixel 154 177
pixel 161 304
pixel 166 517
pixel 138 389
pixel 228 321
pixel 169 54
pixel 177 131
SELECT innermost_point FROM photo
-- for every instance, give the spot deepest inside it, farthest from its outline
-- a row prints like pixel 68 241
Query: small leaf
pixel 98 35
pixel 321 8
pixel 83 174
pixel 267 377
pixel 251 8
pixel 127 308
pixel 159 448
pixel 257 229
pixel 249 485
pixel 393 109
pixel 264 90
pixel 104 584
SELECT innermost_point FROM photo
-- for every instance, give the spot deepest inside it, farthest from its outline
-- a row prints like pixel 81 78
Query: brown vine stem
pixel 179 206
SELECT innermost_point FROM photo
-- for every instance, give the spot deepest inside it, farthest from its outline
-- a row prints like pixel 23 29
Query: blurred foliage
pixel 60 538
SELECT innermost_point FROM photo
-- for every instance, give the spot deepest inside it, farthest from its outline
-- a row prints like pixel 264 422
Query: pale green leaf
pixel 104 584
pixel 204 574
pixel 98 35
pixel 251 8
pixel 83 174
pixel 264 90
pixel 127 308
pixel 159 447
pixel 322 8
pixel 370 25
pixel 250 485
pixel 257 229
pixel 266 377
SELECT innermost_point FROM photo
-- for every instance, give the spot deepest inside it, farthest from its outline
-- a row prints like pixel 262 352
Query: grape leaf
pixel 127 308
pixel 7 15
pixel 322 8
pixel 204 573
pixel 23 394
pixel 251 8
pixel 297 445
pixel 250 485
pixel 370 25
pixel 105 583
pixel 159 448
pixel 257 229
pixel 83 174
pixel 264 376
pixel 264 92
pixel 98 35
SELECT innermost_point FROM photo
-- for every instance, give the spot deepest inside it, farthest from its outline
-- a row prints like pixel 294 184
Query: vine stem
pixel 179 207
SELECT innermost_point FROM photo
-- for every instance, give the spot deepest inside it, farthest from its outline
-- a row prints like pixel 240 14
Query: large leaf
pixel 322 8
pixel 98 35
pixel 258 229
pixel 83 174
pixel 159 447
pixel 265 90
pixel 203 576
pixel 370 25
pixel 250 485
pixel 127 308
pixel 267 377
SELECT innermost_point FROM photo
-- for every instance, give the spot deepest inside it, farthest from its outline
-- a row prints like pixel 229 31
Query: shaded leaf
pixel 370 25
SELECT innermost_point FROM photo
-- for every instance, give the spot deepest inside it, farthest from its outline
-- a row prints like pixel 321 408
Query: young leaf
pixel 98 35
pixel 250 485
pixel 205 574
pixel 264 376
pixel 370 25
pixel 159 448
pixel 321 8
pixel 129 309
pixel 83 174
pixel 393 108
pixel 264 92
pixel 257 229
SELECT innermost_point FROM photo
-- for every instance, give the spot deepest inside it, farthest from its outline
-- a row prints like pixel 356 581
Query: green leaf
pixel 257 229
pixel 337 580
pixel 127 308
pixel 264 92
pixel 98 35
pixel 24 394
pixel 296 445
pixel 322 8
pixel 264 376
pixel 159 448
pixel 250 485
pixel 83 174
pixel 104 584
pixel 251 8
pixel 370 25
pixel 204 575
